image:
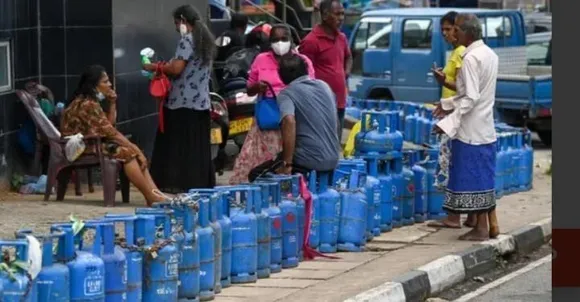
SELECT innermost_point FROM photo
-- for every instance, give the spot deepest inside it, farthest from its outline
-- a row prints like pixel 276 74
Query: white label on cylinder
pixel 292 238
pixel 172 266
pixel 93 285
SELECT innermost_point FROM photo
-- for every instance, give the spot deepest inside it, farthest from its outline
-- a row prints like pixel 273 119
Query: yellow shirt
pixel 450 70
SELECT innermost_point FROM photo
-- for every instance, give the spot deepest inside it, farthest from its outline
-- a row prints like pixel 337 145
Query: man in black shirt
pixel 234 38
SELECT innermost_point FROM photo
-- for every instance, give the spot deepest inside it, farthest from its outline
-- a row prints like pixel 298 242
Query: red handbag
pixel 159 88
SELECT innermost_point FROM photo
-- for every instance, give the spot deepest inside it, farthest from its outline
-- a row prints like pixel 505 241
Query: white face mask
pixel 182 29
pixel 281 48
pixel 100 96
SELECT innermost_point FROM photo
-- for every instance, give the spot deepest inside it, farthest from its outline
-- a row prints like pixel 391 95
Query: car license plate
pixel 216 136
pixel 241 125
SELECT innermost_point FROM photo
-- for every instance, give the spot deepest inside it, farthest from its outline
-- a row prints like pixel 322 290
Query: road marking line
pixel 503 279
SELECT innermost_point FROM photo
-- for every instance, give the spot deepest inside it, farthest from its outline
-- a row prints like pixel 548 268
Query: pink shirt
pixel 265 68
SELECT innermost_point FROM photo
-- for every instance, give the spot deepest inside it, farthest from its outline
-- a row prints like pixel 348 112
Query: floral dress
pixel 87 117
pixel 260 146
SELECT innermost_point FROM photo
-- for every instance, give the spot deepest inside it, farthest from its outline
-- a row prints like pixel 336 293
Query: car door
pixel 413 79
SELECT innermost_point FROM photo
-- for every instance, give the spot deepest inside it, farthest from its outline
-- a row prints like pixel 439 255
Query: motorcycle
pixel 219 131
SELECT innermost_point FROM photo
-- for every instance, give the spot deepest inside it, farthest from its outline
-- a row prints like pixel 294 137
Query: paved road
pixel 532 286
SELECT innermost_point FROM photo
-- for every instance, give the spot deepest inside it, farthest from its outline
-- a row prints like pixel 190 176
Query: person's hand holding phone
pixel 438 73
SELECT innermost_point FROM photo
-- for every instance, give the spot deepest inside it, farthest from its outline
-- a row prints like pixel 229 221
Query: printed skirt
pixel 471 184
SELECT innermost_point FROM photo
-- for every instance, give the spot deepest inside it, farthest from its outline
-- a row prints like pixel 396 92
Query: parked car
pixel 394 50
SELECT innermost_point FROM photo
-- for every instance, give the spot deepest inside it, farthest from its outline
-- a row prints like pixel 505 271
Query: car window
pixel 379 35
pixel 537 53
pixel 417 33
pixel 495 27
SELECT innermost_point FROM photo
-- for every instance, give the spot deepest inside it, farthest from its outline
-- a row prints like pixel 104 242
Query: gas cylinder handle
pixel 21 246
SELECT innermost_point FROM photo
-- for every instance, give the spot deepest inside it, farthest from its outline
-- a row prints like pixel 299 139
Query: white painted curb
pixel 390 291
pixel 503 244
pixel 448 270
pixel 444 272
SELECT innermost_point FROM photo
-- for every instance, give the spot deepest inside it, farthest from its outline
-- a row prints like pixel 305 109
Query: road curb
pixel 440 274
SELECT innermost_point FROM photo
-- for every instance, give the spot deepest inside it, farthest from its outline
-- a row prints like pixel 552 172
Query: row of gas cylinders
pixel 384 131
pixel 192 248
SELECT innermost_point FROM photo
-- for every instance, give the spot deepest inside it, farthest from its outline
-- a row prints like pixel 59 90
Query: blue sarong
pixel 471 185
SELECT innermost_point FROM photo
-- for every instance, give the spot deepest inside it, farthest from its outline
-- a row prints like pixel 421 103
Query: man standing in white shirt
pixel 469 123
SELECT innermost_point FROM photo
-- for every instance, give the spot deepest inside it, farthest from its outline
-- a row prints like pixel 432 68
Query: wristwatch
pixel 287 164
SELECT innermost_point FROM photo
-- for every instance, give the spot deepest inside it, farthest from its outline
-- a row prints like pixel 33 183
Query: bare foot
pixel 444 224
pixel 475 235
pixel 493 232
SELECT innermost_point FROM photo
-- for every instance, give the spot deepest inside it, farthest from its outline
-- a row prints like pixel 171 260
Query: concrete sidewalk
pixel 392 254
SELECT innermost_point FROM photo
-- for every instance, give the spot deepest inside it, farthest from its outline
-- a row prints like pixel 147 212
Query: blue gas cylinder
pixel 522 173
pixel 290 246
pixel 427 125
pixel 189 274
pixel 244 234
pixel 53 280
pixel 264 230
pixel 224 251
pixel 433 137
pixel 17 287
pixel 499 169
pixel 226 224
pixel 162 254
pixel 374 182
pixel 329 214
pixel 373 104
pixel 87 269
pixel 217 230
pixel 394 137
pixel 114 259
pixel 386 208
pixel 510 164
pixel 373 138
pixel 206 237
pixel 528 154
pixel 275 215
pixel 516 156
pixel 353 211
pixel 420 184
pixel 300 210
pixel 398 187
pixel 134 257
pixel 420 128
pixel 410 126
pixel 401 119
pixel 369 188
pixel 383 105
pixel 314 231
pixel 436 194
pixel 505 162
pixel 408 189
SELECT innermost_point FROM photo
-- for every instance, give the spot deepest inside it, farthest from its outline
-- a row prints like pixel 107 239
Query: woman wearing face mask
pixel 260 146
pixel 182 153
pixel 84 115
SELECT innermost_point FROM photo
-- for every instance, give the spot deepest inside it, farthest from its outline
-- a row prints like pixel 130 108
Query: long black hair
pixel 88 83
pixel 449 18
pixel 205 47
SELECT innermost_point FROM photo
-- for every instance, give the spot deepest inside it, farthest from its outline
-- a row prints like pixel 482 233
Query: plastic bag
pixel 75 146
pixel 34 256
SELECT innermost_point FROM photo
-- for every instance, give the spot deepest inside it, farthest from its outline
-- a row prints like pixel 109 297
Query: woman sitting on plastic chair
pixel 84 115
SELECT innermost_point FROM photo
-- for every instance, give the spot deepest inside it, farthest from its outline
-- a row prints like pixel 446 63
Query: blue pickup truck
pixel 394 50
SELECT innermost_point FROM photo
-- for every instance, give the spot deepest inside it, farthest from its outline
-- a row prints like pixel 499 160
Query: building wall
pixel 54 40
pixel 19 25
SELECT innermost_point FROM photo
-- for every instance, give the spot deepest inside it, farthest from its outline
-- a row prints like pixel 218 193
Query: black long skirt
pixel 182 154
